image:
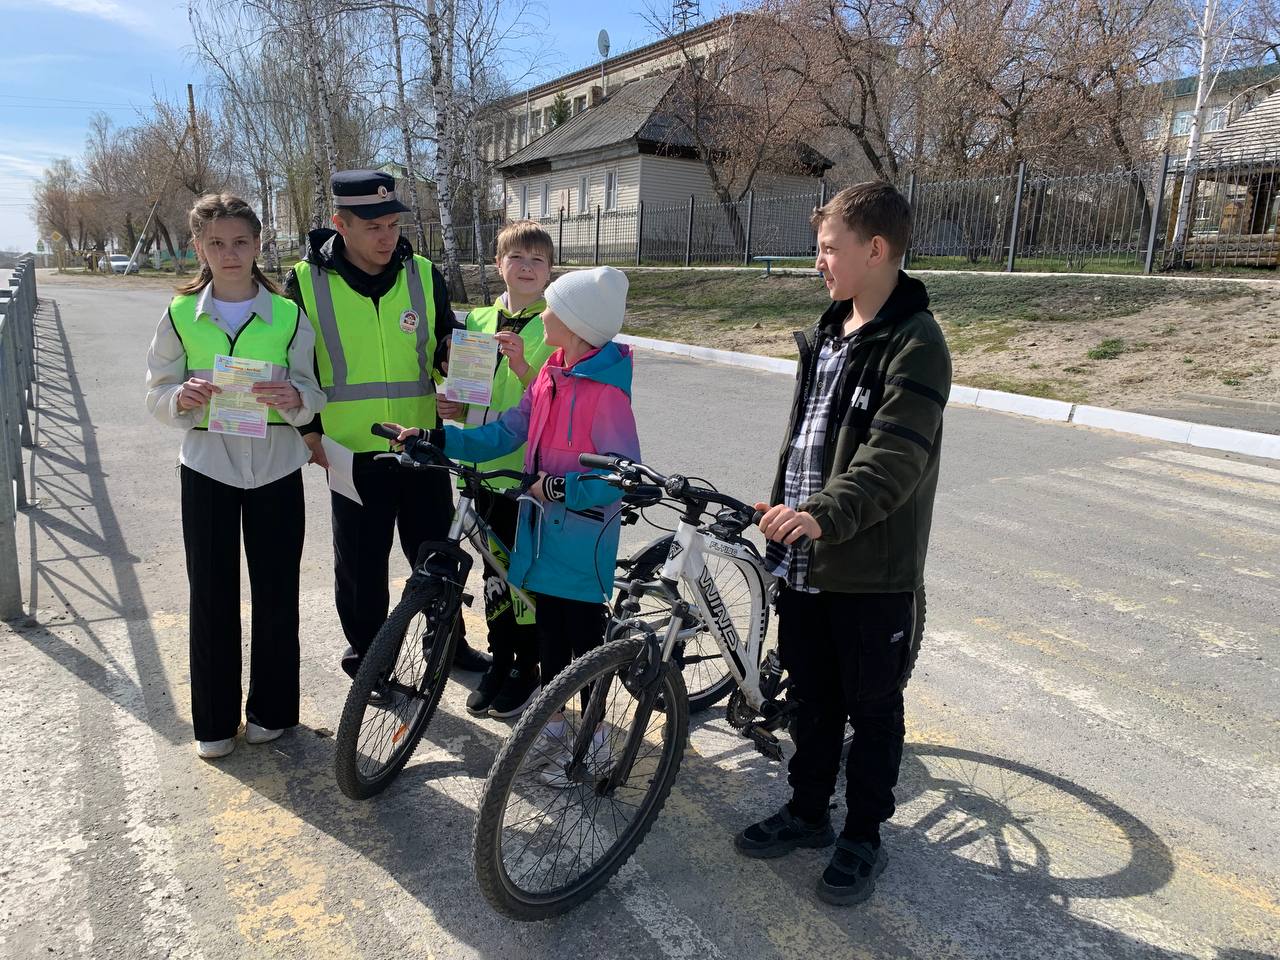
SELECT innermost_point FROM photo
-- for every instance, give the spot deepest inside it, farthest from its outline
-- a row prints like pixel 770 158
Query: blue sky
pixel 66 59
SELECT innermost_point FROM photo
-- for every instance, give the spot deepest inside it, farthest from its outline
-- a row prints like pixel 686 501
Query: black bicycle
pixel 403 675
pixel 401 678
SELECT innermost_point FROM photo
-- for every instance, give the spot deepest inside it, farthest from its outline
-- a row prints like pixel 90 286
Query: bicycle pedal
pixel 764 741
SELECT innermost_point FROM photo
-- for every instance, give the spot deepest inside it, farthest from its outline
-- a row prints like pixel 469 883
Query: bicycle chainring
pixel 739 712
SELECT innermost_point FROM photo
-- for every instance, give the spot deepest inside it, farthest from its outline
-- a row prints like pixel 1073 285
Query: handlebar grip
pixel 381 430
pixel 597 461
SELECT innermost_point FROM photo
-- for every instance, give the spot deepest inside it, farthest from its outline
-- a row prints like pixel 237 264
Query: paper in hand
pixel 236 410
pixel 341 476
pixel 473 358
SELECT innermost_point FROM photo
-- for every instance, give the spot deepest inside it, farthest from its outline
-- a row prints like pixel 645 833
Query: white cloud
pixel 152 18
pixel 104 10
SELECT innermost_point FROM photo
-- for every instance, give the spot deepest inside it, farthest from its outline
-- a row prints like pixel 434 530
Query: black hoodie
pixel 325 250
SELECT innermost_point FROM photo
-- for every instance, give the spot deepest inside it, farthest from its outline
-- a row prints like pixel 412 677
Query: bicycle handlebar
pixel 678 488
pixel 424 454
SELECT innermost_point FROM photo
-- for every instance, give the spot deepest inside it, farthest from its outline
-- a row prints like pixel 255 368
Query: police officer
pixel 382 320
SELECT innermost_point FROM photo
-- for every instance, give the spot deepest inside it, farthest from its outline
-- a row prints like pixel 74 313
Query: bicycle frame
pixel 468 525
pixel 686 562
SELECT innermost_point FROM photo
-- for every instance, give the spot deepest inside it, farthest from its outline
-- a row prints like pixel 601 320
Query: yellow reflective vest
pixel 203 339
pixel 374 362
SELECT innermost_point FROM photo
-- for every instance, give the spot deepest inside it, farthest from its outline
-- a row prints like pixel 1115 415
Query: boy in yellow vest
pixel 525 252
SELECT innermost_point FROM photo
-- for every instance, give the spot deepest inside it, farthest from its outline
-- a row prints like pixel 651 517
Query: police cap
pixel 368 194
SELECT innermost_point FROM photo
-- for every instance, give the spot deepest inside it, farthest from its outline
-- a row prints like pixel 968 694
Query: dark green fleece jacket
pixel 883 444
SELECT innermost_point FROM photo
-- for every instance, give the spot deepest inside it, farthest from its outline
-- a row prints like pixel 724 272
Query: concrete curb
pixel 1201 435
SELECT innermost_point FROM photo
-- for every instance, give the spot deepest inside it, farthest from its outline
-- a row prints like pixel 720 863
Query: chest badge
pixel 409 321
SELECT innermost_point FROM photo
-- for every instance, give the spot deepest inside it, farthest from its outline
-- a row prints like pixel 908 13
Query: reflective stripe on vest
pixel 373 366
pixel 202 340
pixel 327 319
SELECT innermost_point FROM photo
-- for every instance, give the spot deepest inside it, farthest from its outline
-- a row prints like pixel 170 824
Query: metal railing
pixel 17 373
pixel 1105 221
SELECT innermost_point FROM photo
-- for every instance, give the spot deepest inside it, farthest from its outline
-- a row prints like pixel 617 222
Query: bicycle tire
pixel 492 875
pixel 440 605
pixel 712 691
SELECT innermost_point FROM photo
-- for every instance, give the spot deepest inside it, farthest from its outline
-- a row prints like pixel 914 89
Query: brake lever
pixel 402 458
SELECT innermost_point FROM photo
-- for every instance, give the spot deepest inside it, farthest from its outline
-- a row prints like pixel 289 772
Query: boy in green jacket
pixel 525 252
pixel 856 476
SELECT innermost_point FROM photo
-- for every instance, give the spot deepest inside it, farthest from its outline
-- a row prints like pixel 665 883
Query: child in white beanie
pixel 580 403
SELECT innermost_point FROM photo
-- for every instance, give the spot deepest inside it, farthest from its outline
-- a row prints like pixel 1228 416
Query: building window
pixel 546 198
pixel 610 189
pixel 1182 123
pixel 579 104
pixel 1152 129
pixel 1217 119
pixel 524 200
pixel 582 194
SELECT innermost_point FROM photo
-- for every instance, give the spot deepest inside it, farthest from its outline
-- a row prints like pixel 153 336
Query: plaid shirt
pixel 804 460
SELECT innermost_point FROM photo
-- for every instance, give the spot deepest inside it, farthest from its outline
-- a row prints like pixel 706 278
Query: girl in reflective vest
pixel 232 365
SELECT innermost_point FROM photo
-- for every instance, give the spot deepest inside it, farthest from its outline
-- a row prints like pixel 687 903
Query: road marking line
pixel 1199 478
pixel 1171 494
pixel 1251 471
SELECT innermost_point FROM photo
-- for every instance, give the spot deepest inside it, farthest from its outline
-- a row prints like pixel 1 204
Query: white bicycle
pixel 587 769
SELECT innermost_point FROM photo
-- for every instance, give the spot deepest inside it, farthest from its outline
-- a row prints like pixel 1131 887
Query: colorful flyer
pixel 473 358
pixel 236 409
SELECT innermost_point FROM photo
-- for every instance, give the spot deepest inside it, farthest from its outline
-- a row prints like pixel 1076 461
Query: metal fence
pixel 17 372
pixel 1107 221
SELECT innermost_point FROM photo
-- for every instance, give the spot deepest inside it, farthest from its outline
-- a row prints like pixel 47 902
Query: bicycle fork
pixel 642 676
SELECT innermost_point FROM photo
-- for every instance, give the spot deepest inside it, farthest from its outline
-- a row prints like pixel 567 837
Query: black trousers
pixel 509 641
pixel 417 503
pixel 847 655
pixel 273 519
pixel 566 630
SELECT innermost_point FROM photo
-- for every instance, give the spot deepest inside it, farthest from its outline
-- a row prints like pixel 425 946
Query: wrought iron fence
pixel 1109 221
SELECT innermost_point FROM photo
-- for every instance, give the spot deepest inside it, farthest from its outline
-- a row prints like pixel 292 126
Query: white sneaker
pixel 555 774
pixel 550 743
pixel 256 734
pixel 213 749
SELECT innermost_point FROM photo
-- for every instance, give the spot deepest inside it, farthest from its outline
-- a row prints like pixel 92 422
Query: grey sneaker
pixel 555 773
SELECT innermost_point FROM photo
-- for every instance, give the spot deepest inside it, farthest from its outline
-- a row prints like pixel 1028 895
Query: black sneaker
pixel 851 876
pixel 469 659
pixel 780 834
pixel 350 662
pixel 518 690
pixel 482 696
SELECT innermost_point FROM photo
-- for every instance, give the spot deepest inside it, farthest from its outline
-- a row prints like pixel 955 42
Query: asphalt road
pixel 1093 763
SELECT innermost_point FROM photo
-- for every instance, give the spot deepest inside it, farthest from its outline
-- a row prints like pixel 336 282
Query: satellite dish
pixel 602 43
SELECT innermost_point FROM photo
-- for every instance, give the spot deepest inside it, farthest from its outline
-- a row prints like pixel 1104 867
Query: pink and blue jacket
pixel 565 549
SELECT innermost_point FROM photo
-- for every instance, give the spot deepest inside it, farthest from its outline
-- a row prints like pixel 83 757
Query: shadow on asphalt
pixel 997 839
pixel 72 528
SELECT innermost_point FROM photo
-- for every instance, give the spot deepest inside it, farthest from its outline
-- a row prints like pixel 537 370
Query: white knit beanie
pixel 590 303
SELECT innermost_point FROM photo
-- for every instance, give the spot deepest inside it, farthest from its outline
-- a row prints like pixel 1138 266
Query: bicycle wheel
pixel 706 675
pixel 548 836
pixel 408 665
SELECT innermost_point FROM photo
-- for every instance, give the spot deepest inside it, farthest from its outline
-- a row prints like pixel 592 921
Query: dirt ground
pixel 1114 341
